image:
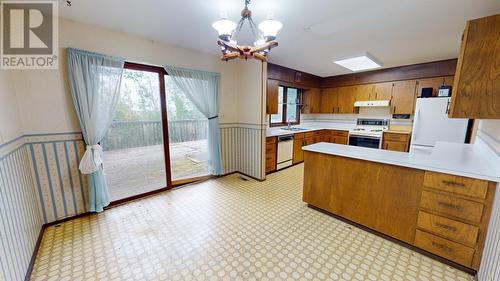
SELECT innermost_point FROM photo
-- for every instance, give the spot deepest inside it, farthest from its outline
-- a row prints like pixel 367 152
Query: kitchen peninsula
pixel 439 201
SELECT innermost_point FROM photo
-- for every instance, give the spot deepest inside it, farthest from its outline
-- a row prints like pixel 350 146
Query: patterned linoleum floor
pixel 226 229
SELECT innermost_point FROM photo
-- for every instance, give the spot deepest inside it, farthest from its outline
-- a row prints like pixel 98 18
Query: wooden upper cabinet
pixel 476 90
pixel 382 91
pixel 403 97
pixel 363 92
pixel 272 96
pixel 329 100
pixel 448 80
pixel 311 100
pixel 377 91
pixel 346 98
pixel 433 83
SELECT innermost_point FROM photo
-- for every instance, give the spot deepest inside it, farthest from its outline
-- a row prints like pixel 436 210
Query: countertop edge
pixel 408 165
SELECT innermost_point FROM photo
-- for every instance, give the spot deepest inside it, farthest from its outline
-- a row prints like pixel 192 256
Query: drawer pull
pixel 453 183
pixel 447 227
pixel 450 206
pixel 442 247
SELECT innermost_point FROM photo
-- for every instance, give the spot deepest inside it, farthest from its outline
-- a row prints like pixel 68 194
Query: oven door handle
pixel 365 137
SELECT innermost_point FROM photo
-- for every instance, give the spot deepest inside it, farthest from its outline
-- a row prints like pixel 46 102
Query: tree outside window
pixel 288 107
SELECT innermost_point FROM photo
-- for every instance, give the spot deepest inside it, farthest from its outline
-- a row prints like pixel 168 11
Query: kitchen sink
pixel 294 129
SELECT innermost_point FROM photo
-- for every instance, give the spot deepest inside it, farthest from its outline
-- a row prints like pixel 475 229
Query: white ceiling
pixel 394 32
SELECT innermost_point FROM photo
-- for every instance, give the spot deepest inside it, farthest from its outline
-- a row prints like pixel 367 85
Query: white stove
pixel 368 132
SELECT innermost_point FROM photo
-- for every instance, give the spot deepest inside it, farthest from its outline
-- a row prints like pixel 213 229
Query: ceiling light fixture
pixel 358 63
pixel 265 35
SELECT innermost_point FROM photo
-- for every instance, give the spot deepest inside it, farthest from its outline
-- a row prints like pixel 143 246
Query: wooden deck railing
pixel 129 134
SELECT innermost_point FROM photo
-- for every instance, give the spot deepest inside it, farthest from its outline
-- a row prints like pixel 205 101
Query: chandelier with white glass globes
pixel 264 35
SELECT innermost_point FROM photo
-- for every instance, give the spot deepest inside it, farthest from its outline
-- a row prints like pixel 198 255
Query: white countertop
pixel 278 131
pixel 475 161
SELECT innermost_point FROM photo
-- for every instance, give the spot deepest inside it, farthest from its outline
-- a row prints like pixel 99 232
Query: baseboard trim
pixel 35 253
pixel 243 174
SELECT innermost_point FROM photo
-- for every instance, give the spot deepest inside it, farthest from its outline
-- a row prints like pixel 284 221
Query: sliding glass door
pixel 187 135
pixel 158 138
pixel 134 154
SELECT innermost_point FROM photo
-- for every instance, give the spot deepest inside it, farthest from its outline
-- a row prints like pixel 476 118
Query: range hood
pixel 372 103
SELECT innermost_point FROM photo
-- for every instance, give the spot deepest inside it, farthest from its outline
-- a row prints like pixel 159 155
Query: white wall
pixel 10 121
pixel 46 106
pixel 251 98
pixel 44 97
pixel 243 145
pixel 489 131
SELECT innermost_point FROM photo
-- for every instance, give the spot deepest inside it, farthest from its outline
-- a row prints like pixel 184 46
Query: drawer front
pixel 451 229
pixel 340 133
pixel 396 137
pixel 452 206
pixel 270 163
pixel 447 249
pixel 271 140
pixel 455 184
pixel 270 149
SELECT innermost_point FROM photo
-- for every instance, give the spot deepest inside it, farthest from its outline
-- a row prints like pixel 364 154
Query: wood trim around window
pixel 285 106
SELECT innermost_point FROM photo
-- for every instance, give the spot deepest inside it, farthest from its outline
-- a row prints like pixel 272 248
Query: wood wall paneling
pixel 415 71
pixel 292 76
pixel 338 93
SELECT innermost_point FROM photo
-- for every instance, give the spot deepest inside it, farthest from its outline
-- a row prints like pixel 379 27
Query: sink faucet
pixel 289 125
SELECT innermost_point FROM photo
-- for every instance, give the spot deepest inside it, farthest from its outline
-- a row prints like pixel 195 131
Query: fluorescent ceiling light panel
pixel 358 63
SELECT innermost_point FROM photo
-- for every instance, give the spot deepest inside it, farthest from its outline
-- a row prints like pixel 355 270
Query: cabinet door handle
pixel 450 206
pixel 442 247
pixel 453 183
pixel 447 227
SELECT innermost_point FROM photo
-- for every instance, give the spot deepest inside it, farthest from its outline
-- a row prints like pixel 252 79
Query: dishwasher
pixel 285 151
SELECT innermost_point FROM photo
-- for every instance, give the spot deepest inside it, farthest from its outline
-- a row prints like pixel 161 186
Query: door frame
pixel 166 144
pixel 164 121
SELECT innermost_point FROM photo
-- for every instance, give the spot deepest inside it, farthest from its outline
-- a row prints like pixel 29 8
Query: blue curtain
pixel 95 85
pixel 202 89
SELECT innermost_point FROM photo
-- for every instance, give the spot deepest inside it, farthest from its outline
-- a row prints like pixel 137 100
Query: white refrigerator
pixel 431 124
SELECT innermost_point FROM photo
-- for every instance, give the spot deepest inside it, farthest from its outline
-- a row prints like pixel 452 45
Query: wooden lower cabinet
pixel 303 139
pixel 298 143
pixel 445 248
pixel 338 137
pixel 435 212
pixel 396 141
pixel 271 154
pixel 345 187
